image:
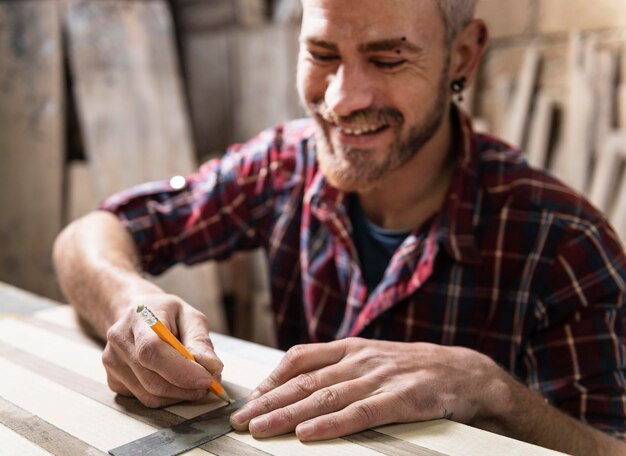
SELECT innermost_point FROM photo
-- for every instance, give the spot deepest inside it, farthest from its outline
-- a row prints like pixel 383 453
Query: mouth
pixel 360 130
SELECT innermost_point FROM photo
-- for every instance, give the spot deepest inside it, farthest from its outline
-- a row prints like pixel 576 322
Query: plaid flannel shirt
pixel 516 265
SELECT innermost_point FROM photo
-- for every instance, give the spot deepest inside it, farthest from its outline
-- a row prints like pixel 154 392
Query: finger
pixel 322 402
pixel 124 381
pixel 364 414
pixel 294 390
pixel 300 359
pixel 130 371
pixel 152 354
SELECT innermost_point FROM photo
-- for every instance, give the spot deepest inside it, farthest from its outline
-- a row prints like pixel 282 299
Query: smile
pixel 361 130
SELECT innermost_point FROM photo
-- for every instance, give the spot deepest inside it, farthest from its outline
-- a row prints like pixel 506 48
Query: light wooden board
pixel 208 58
pixel 519 111
pixel 31 143
pixel 132 112
pixel 264 71
pixel 573 160
pixel 62 409
pixel 80 199
pixel 540 129
pixel 128 92
pixel 604 182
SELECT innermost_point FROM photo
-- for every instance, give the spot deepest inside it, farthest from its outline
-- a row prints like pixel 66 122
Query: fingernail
pixel 305 430
pixel 260 424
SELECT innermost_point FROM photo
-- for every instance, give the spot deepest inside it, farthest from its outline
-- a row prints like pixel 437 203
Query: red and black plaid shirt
pixel 516 265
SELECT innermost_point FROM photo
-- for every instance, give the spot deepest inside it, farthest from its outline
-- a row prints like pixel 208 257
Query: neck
pixel 407 197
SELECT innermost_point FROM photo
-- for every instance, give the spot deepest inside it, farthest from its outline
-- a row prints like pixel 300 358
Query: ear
pixel 467 50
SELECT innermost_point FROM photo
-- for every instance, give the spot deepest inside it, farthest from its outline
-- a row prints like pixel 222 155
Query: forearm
pixel 96 264
pixel 526 416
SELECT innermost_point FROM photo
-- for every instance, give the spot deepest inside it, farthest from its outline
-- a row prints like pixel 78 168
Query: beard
pixel 351 169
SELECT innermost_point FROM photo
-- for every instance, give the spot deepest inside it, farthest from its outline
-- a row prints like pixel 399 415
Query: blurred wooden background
pixel 97 95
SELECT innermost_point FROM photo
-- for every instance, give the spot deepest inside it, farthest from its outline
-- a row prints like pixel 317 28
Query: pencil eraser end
pixel 140 308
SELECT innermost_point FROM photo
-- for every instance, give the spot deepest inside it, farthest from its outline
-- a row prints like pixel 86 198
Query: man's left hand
pixel 328 390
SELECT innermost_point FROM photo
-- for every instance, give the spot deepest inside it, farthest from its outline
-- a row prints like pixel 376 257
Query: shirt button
pixel 178 182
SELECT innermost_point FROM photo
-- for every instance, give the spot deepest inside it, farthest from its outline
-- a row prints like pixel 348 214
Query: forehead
pixel 365 20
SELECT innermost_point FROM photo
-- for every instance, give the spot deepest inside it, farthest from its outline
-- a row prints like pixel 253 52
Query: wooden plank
pixel 621 100
pixel 497 102
pixel 453 438
pixel 31 143
pixel 210 89
pixel 540 130
pixel 36 430
pixel 518 113
pixel 263 73
pixel 603 75
pixel 80 194
pixel 132 113
pixel 14 443
pixel 573 160
pixel 80 411
pixel 604 180
pixel 617 214
pixel 128 93
pixel 207 16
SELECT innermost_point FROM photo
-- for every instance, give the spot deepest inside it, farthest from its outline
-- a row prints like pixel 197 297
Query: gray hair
pixel 456 14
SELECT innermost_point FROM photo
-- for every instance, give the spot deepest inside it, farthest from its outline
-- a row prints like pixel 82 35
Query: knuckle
pixel 334 424
pixel 154 385
pixel 328 399
pixel 366 413
pixel 269 384
pixel 114 335
pixel 286 415
pixel 150 400
pixel 266 403
pixel 306 383
pixel 295 354
pixel 146 353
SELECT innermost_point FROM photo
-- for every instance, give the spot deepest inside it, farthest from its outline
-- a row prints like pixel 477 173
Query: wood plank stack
pixel 568 113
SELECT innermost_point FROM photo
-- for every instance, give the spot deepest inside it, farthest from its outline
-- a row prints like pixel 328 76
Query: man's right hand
pixel 138 363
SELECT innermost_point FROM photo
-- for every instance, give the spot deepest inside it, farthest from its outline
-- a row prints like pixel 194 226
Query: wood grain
pixel 42 433
pixel 132 112
pixel 31 143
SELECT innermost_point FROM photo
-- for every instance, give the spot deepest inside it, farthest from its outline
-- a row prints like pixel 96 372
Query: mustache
pixel 380 116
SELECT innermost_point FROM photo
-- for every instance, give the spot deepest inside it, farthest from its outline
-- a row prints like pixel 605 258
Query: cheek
pixel 310 83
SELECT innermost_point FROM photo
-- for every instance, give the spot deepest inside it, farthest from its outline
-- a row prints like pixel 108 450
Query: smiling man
pixel 418 270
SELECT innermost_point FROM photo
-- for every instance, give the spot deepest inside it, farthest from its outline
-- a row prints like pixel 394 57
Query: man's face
pixel 373 75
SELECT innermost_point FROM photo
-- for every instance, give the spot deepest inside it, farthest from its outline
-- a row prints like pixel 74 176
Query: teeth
pixel 357 131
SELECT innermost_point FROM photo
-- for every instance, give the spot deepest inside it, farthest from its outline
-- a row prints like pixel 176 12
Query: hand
pixel 332 389
pixel 138 363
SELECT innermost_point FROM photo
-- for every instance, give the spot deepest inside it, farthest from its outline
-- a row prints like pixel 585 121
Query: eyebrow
pixel 374 46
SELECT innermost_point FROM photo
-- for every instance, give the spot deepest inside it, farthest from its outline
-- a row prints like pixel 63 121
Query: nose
pixel 349 90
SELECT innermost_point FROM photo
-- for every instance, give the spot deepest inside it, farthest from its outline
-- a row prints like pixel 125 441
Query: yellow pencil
pixel 166 335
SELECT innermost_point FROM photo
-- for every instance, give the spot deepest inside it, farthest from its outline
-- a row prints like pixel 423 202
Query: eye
pixel 322 57
pixel 388 64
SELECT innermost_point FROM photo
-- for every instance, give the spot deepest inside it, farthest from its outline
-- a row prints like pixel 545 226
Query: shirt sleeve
pixel 576 357
pixel 208 215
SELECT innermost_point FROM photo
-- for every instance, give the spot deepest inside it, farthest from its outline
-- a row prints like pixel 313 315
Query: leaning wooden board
pixel 31 142
pixel 54 400
pixel 132 113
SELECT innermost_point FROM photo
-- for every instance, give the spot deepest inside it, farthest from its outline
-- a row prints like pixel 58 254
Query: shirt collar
pixel 458 217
